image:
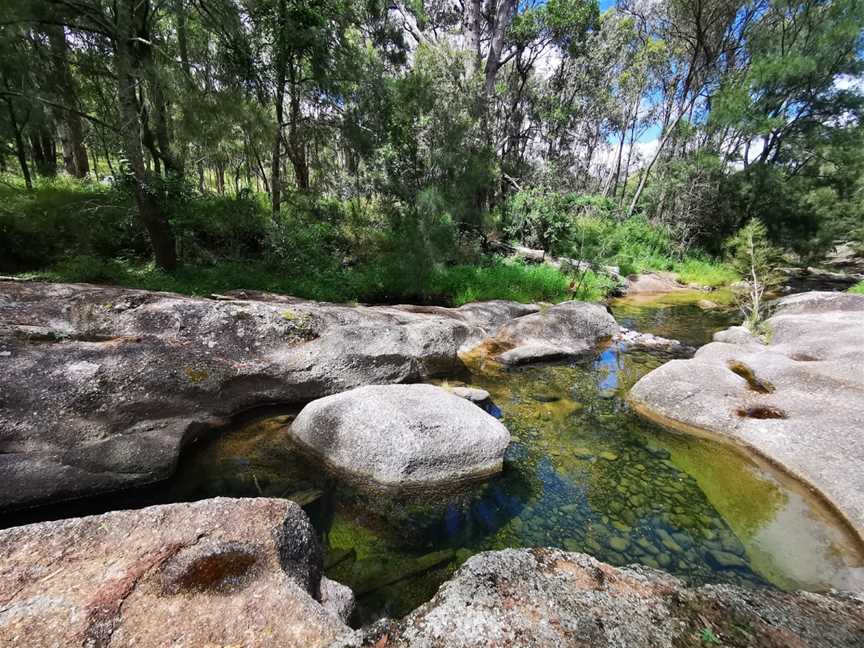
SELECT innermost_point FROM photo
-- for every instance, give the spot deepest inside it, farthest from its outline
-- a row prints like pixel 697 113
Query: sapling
pixel 754 258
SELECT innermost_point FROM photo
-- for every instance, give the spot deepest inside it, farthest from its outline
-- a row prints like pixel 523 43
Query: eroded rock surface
pixel 219 572
pixel 402 435
pixel 548 598
pixel 101 387
pixel 797 400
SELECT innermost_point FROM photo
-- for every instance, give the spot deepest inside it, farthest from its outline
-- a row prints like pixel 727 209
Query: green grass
pixel 453 285
pixel 858 288
pixel 705 273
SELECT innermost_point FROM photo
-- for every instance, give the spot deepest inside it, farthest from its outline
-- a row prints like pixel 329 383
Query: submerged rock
pixel 638 340
pixel 534 598
pixel 216 572
pixel 402 436
pixel 797 400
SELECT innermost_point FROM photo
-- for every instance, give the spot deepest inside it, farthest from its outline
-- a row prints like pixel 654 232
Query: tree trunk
pixel 74 151
pixel 127 64
pixel 220 178
pixel 296 145
pixel 654 158
pixel 44 152
pixel 20 149
pixel 275 163
pixel 503 17
pixel 472 30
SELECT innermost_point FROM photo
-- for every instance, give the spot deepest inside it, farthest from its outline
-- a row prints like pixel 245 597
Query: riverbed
pixel 583 473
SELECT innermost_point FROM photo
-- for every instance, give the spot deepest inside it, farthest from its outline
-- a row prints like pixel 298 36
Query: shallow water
pixel 583 473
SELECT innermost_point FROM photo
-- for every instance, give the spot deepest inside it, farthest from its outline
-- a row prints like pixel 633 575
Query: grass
pixel 705 273
pixel 858 288
pixel 451 285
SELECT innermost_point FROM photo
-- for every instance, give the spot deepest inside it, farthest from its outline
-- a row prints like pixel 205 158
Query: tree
pixel 753 257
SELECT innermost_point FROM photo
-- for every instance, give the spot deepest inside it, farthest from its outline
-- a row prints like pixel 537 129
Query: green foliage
pixel 858 288
pixel 61 218
pixel 541 219
pixel 708 637
pixel 753 257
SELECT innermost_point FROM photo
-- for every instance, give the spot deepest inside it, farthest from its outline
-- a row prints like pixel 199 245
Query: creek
pixel 583 473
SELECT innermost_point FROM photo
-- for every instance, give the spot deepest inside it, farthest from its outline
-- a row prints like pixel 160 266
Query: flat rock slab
pixel 798 400
pixel 219 572
pixel 548 598
pixel 402 436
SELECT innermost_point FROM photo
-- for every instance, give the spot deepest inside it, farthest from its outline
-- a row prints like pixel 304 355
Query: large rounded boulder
pixel 402 436
pixel 568 330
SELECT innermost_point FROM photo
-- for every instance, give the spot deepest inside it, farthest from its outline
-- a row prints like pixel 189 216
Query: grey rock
pixel 638 340
pixel 533 353
pixel 473 394
pixel 811 420
pixel 207 573
pixel 736 335
pixel 101 387
pixel 337 598
pixel 402 436
pixel 567 330
pixel 533 598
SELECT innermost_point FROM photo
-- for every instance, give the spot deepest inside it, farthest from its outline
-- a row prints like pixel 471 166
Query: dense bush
pixel 63 218
pixel 328 248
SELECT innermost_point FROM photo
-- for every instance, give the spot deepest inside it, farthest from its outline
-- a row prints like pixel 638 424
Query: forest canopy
pixel 399 145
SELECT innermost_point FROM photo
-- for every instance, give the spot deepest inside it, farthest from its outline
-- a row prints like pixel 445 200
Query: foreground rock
pixel 798 400
pixel 402 435
pixel 219 572
pixel 549 598
pixel 101 387
pixel 568 330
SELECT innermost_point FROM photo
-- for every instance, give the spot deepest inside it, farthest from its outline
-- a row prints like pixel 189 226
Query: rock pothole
pixel 753 382
pixel 761 412
pixel 224 567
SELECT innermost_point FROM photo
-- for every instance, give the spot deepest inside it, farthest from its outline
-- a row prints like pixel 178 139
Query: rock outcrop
pixel 402 436
pixel 101 387
pixel 218 572
pixel 797 400
pixel 547 598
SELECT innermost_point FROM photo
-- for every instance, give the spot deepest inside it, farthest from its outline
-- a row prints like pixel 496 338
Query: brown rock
pixel 218 572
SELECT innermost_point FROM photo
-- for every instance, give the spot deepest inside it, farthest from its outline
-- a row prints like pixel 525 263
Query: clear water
pixel 583 473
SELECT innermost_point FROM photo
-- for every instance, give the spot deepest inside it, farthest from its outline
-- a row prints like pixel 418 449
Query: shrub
pixel 752 256
pixel 64 218
pixel 209 227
